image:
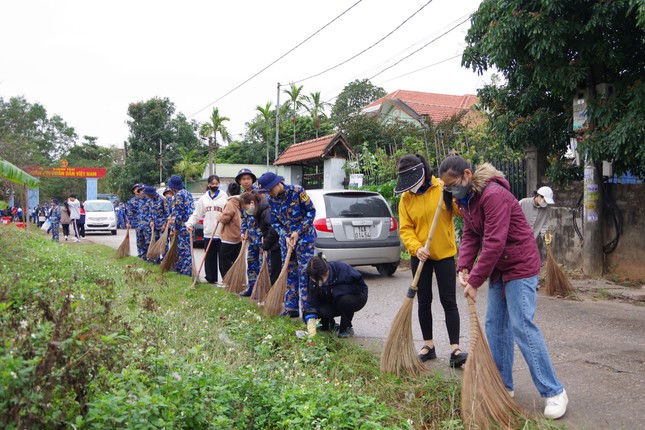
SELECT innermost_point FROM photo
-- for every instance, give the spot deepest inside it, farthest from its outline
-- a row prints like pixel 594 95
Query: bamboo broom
pixel 274 302
pixel 398 352
pixel 124 249
pixel 160 245
pixel 263 282
pixel 485 402
pixel 170 259
pixel 556 282
pixel 235 278
pixel 196 273
pixel 151 245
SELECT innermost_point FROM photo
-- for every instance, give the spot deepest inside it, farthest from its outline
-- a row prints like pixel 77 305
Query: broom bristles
pixel 398 353
pixel 151 246
pixel 124 249
pixel 274 302
pixel 485 402
pixel 556 282
pixel 235 279
pixel 170 259
pixel 160 245
pixel 262 283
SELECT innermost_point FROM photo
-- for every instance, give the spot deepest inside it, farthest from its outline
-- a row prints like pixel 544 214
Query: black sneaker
pixel 348 332
pixel 430 353
pixel 457 360
pixel 290 314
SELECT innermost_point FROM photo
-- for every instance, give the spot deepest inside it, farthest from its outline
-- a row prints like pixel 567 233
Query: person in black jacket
pixel 336 289
pixel 257 205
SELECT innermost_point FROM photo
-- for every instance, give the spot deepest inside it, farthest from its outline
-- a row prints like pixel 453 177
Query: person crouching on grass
pixel 335 289
pixel 498 245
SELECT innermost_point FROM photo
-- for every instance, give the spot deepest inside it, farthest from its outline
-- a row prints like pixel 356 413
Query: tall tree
pixel 210 130
pixel 316 108
pixel 549 51
pixel 189 167
pixel 266 115
pixel 355 95
pixel 296 103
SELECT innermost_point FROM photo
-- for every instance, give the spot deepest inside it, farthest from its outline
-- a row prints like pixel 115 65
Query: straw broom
pixel 398 352
pixel 274 302
pixel 124 249
pixel 170 259
pixel 263 282
pixel 197 272
pixel 151 246
pixel 235 279
pixel 485 403
pixel 556 282
pixel 160 245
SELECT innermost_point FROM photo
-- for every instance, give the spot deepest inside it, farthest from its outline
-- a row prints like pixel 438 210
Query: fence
pixel 515 172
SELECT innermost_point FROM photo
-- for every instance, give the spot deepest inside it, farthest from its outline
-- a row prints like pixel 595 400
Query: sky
pixel 86 61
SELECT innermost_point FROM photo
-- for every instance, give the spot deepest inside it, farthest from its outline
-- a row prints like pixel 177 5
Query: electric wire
pixel 366 49
pixel 278 59
pixel 422 68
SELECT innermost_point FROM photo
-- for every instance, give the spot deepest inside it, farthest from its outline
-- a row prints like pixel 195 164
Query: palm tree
pixel 316 109
pixel 266 117
pixel 189 167
pixel 210 130
pixel 294 94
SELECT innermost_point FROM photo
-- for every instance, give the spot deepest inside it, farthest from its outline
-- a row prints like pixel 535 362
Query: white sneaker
pixel 510 392
pixel 76 239
pixel 65 237
pixel 556 406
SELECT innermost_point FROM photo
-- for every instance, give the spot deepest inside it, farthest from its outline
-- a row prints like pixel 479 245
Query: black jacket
pixel 343 279
pixel 270 237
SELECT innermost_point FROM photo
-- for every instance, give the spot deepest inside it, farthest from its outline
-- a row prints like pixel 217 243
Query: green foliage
pixel 355 95
pixel 563 171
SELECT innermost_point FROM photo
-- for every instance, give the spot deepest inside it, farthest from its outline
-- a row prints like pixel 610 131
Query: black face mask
pixel 213 189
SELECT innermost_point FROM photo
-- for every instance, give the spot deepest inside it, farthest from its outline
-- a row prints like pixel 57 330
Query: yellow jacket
pixel 415 217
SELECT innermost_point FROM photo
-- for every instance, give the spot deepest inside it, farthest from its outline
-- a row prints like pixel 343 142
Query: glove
pixel 311 326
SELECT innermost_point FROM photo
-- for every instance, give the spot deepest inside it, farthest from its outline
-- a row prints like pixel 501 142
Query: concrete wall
pixel 334 175
pixel 627 260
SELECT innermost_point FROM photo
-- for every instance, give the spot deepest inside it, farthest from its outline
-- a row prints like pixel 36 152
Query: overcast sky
pixel 87 60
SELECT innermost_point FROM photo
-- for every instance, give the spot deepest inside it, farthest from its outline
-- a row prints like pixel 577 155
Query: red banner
pixel 66 172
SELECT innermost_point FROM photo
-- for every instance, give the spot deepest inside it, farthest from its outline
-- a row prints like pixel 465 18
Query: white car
pixel 99 216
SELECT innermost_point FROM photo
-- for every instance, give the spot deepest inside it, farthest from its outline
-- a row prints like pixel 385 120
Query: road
pixel 597 347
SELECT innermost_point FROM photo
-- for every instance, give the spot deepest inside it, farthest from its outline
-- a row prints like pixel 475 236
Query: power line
pixel 278 59
pixel 423 68
pixel 414 52
pixel 366 49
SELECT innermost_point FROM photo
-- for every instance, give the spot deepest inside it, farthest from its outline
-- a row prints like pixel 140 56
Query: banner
pixel 66 172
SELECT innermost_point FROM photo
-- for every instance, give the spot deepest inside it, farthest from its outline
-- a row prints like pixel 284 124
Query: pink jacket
pixel 495 228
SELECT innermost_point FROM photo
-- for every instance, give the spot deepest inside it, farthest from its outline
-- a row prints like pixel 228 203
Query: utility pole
pixel 277 125
pixel 160 164
pixel 592 253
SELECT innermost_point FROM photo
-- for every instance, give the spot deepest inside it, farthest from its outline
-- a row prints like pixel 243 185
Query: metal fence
pixel 515 172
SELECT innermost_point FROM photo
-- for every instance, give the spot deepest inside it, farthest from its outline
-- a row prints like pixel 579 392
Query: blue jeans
pixel 509 318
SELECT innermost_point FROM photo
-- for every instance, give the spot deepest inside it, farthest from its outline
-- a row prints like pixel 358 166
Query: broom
pixel 124 249
pixel 398 352
pixel 274 302
pixel 263 282
pixel 556 282
pixel 193 270
pixel 151 246
pixel 485 402
pixel 170 259
pixel 197 272
pixel 160 245
pixel 235 278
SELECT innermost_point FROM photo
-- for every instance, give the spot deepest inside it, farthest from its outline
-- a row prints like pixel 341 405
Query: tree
pixel 294 94
pixel 355 95
pixel 316 109
pixel 189 167
pixel 210 130
pixel 548 51
pixel 265 117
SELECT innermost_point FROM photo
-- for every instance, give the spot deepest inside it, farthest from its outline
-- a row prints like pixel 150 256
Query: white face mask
pixel 543 202
pixel 251 209
pixel 416 187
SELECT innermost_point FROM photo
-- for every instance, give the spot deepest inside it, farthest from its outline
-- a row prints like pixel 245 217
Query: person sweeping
pixel 422 195
pixel 181 209
pixel 231 236
pixel 250 232
pixel 498 245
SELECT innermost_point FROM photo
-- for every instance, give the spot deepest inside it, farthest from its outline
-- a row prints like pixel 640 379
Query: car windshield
pixel 355 205
pixel 98 206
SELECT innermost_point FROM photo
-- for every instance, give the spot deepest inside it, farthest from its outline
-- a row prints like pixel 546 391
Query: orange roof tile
pixel 310 149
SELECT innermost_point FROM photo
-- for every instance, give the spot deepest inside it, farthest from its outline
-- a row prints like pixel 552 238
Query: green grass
pixel 95 342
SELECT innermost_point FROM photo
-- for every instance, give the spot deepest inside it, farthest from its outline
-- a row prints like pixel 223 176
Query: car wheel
pixel 113 232
pixel 386 269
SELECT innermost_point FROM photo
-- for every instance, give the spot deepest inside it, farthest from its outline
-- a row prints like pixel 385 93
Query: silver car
pixel 99 216
pixel 356 227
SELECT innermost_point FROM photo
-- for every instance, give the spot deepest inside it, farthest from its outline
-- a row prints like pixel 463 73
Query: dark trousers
pixel 65 229
pixel 81 229
pixel 227 255
pixel 444 271
pixel 275 265
pixel 210 264
pixel 344 307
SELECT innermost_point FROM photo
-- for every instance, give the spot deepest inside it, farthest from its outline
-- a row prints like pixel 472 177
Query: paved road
pixel 598 347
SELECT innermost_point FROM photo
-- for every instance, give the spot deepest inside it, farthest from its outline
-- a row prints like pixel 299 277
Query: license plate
pixel 362 232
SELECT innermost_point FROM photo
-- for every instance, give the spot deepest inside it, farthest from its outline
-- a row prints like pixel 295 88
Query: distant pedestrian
pixel 65 219
pixel 74 215
pixel 54 219
pixel 133 214
pixel 81 223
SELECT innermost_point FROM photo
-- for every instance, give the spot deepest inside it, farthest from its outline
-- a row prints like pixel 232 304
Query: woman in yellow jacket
pixel 422 193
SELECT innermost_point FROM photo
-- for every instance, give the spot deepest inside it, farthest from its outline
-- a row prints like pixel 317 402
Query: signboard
pixel 580 112
pixel 66 172
pixel 356 180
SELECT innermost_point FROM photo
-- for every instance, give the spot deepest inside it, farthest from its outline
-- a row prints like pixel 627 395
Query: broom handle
pixel 205 252
pixel 413 287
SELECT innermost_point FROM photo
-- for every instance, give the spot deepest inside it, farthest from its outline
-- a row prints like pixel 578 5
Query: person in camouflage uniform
pixel 250 231
pixel 134 219
pixel 153 216
pixel 292 216
pixel 54 219
pixel 180 210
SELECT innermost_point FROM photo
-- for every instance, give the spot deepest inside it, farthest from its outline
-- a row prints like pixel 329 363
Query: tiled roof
pixel 309 149
pixel 436 106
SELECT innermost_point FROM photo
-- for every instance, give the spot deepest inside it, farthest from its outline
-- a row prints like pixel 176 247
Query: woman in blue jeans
pixel 497 235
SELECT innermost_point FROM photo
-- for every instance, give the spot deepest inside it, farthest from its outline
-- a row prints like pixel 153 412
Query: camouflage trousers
pixel 296 295
pixel 55 236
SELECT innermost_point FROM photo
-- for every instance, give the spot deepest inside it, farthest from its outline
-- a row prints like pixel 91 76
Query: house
pixel 419 107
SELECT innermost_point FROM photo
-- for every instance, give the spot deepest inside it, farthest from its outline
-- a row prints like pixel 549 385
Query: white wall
pixel 333 173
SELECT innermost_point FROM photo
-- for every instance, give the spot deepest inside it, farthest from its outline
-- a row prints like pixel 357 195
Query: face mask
pixel 416 187
pixel 543 203
pixel 213 189
pixel 460 191
pixel 250 210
